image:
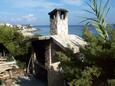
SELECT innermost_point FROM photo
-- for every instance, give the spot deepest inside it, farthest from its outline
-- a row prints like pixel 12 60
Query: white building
pixel 24 29
pixel 6 24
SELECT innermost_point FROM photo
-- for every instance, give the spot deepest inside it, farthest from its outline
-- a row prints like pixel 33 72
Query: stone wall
pixel 55 78
pixel 62 26
pixel 59 24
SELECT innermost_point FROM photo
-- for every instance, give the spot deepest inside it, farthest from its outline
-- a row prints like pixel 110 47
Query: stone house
pixel 43 62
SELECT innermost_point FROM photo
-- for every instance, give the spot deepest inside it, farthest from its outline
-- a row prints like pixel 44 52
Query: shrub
pixel 88 77
pixel 111 82
pixel 99 62
pixel 21 65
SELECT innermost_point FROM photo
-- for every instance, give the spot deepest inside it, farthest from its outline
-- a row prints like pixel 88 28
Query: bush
pixel 89 76
pixel 13 40
pixel 21 65
pixel 98 65
pixel 111 82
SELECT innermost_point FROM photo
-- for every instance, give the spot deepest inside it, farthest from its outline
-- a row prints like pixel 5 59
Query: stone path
pixel 28 81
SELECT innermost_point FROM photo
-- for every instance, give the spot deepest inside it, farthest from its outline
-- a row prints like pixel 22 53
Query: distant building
pixel 9 25
pixel 43 62
pixel 26 30
pixel 6 24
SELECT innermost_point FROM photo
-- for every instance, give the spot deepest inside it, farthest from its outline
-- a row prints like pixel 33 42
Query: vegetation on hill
pixel 12 40
pixel 15 42
pixel 98 56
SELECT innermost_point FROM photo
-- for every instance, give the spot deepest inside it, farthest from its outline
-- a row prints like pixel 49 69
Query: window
pixel 62 15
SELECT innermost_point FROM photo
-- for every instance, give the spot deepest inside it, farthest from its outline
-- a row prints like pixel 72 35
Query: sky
pixel 35 12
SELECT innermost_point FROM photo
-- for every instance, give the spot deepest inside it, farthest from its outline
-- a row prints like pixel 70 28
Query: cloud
pixel 29 11
pixel 33 4
pixel 73 2
pixel 29 17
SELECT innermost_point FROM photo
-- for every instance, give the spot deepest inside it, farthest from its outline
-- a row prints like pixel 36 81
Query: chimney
pixel 58 22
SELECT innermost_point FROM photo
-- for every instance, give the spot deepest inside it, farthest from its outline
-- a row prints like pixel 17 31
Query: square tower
pixel 58 22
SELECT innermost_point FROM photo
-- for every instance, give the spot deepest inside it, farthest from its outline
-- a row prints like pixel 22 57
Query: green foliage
pixel 12 40
pixel 9 58
pixel 111 82
pixel 89 75
pixel 69 65
pixel 100 48
pixel 77 73
pixel 99 22
pixel 99 53
pixel 21 65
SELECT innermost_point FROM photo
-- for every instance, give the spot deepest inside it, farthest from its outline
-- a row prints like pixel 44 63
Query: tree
pixel 99 21
pixel 13 40
pixel 98 66
pixel 100 49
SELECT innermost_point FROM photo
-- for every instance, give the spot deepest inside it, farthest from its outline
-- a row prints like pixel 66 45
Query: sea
pixel 72 29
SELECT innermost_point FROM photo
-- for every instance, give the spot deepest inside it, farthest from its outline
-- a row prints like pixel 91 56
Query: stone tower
pixel 58 22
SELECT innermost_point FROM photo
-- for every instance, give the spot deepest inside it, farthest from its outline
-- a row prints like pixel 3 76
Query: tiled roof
pixel 69 41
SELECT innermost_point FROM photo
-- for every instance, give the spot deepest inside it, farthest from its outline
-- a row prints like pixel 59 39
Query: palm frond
pixel 105 7
pixel 106 4
pixel 107 11
pixel 89 6
pixel 100 5
pixel 89 19
pixel 99 22
pixel 88 11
